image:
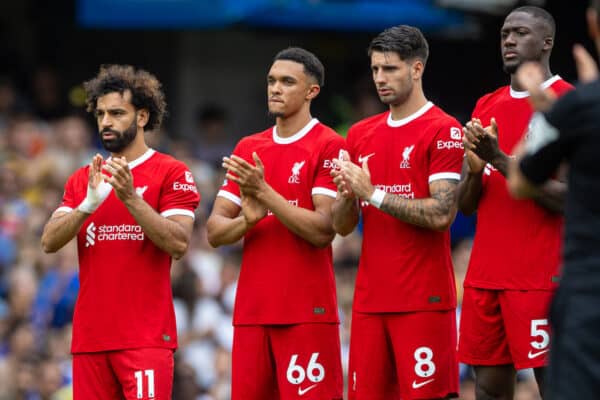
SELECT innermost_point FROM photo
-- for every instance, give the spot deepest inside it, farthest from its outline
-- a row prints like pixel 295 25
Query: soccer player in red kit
pixel 401 173
pixel 132 214
pixel 277 196
pixel 514 263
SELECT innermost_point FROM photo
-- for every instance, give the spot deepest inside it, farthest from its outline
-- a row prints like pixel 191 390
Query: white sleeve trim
pixel 230 196
pixel 64 208
pixel 177 211
pixel 324 191
pixel 444 175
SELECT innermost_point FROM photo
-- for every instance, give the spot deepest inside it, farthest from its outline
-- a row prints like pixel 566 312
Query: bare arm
pixel 345 208
pixel 518 185
pixel 484 143
pixel 226 225
pixel 345 215
pixel 171 234
pixel 436 212
pixel 314 226
pixel 469 189
pixel 61 228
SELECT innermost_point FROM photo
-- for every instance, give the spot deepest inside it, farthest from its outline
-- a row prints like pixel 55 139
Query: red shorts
pixel 403 355
pixel 500 327
pixel 286 362
pixel 134 374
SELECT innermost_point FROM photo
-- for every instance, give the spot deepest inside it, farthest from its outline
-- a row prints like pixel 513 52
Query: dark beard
pixel 122 140
pixel 276 114
pixel 511 69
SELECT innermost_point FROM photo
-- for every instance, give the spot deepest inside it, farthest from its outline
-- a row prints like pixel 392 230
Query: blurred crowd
pixel 44 137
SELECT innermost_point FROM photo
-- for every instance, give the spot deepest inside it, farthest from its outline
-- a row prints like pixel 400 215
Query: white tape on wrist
pixel 376 199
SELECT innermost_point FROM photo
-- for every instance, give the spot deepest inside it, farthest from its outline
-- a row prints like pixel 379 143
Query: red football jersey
pixel 125 298
pixel 517 243
pixel 284 279
pixel 404 267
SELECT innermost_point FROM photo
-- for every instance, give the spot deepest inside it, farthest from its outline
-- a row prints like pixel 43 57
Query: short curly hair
pixel 146 90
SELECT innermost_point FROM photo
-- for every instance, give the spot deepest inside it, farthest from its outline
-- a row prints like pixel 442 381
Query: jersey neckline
pixel 134 163
pixel 521 94
pixel 400 122
pixel 296 136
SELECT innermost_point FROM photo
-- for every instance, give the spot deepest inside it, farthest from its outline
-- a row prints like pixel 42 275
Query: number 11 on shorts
pixel 139 379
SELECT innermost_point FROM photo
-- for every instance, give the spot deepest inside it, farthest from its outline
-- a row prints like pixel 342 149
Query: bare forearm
pixel 551 196
pixel 469 192
pixel 167 235
pixel 345 215
pixel 436 212
pixel 223 230
pixel 60 229
pixel 312 226
pixel 500 162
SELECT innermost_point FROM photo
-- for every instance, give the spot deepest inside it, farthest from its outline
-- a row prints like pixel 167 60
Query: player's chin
pixel 510 67
pixel 388 99
pixel 276 112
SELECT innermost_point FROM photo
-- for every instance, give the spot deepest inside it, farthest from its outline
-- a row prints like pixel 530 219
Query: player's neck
pixel 514 82
pixel 292 124
pixel 135 150
pixel 413 104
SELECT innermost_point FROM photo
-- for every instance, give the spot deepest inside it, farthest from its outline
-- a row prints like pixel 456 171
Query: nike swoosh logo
pixel 302 392
pixel 362 159
pixel 531 355
pixel 416 385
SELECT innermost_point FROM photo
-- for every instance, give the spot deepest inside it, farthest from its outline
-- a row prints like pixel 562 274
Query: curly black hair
pixel 145 88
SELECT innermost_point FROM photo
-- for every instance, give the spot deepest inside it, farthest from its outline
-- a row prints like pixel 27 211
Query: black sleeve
pixel 541 164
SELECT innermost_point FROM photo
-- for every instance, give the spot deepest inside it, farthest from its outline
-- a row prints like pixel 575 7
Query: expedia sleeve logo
pixel 187 186
pixel 455 133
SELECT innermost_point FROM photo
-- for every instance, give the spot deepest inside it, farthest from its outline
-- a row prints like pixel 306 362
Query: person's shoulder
pixel 368 123
pixel 442 117
pixel 327 133
pixel 167 161
pixel 80 173
pixel 492 97
pixel 559 86
pixel 256 137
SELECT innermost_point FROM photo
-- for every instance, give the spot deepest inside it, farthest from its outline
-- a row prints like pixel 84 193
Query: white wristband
pixel 376 199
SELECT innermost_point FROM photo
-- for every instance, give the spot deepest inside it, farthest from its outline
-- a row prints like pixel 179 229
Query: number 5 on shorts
pixel 538 332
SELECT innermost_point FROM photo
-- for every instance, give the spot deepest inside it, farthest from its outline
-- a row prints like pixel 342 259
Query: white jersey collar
pixel 400 122
pixel 516 94
pixel 132 164
pixel 296 136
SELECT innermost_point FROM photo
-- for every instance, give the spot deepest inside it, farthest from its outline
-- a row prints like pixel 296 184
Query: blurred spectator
pixel 211 140
pixel 49 99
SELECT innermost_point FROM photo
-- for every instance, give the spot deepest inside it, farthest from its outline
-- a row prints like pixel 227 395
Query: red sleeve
pixel 230 190
pixel 323 183
pixel 446 152
pixel 179 193
pixel 75 190
pixel 350 143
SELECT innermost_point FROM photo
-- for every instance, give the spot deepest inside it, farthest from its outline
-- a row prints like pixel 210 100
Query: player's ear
pixel 417 68
pixel 548 43
pixel 313 91
pixel 142 117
